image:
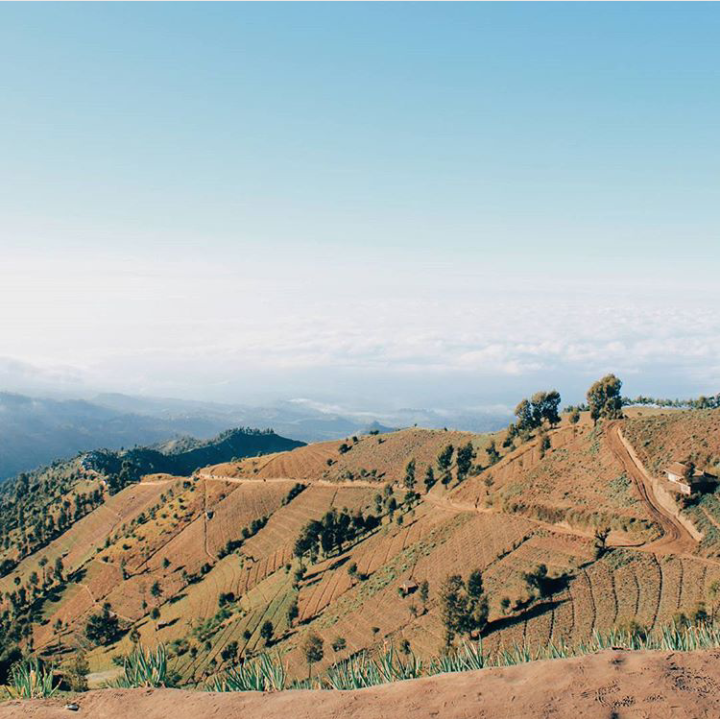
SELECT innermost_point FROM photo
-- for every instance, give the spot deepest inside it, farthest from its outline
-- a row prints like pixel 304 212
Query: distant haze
pixel 363 207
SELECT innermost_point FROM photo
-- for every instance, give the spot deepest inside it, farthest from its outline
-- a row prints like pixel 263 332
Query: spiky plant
pixel 145 668
pixel 265 674
pixel 31 680
pixel 467 659
pixel 357 672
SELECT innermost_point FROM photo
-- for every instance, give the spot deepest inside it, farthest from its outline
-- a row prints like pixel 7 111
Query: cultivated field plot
pixel 79 599
pixel 371 611
pixel 76 601
pixel 246 502
pixel 328 580
pixel 301 464
pixel 285 524
pixel 137 545
pixel 374 458
pixel 186 549
pixel 266 602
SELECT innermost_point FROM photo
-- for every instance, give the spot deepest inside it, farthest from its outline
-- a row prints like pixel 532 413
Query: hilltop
pixel 352 541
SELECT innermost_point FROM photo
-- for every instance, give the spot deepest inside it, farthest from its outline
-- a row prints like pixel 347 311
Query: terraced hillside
pixel 207 562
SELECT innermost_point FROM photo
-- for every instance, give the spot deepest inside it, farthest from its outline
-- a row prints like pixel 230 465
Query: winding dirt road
pixel 676 538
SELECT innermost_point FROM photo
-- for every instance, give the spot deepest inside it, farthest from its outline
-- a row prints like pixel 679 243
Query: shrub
pixel 103 628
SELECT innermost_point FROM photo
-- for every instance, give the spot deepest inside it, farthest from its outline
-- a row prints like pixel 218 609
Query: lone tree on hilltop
pixel 605 398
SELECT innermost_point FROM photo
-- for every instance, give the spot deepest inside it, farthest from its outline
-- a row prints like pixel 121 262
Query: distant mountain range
pixel 37 430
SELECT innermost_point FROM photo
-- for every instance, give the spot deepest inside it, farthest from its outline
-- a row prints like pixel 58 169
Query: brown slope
pixel 611 684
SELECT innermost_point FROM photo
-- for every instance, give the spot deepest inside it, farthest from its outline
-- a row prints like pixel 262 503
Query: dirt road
pixel 201 474
pixel 675 537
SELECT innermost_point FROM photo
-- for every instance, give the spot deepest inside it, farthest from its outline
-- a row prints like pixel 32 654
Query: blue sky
pixel 375 202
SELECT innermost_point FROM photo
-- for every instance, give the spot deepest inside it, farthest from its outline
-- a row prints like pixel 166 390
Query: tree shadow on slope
pixel 536 610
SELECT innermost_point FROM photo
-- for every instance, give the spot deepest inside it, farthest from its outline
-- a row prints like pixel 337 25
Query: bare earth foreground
pixel 612 684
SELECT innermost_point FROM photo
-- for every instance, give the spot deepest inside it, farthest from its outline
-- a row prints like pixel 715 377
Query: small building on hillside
pixel 408 587
pixel 686 478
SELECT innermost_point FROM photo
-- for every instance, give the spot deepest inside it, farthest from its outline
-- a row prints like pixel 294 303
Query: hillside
pixel 202 560
pixel 43 507
pixel 621 685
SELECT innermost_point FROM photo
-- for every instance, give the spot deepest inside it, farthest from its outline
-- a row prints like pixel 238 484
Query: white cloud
pixel 206 328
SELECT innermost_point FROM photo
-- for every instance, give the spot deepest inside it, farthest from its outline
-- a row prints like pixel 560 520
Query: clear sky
pixel 372 204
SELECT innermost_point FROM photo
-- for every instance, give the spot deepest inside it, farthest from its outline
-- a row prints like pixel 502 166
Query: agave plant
pixel 356 672
pixel 392 667
pixel 519 654
pixel 467 659
pixel 274 673
pixel 472 657
pixel 31 680
pixel 145 668
pixel 262 675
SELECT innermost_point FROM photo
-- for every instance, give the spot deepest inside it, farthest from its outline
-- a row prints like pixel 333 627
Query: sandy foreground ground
pixel 608 685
